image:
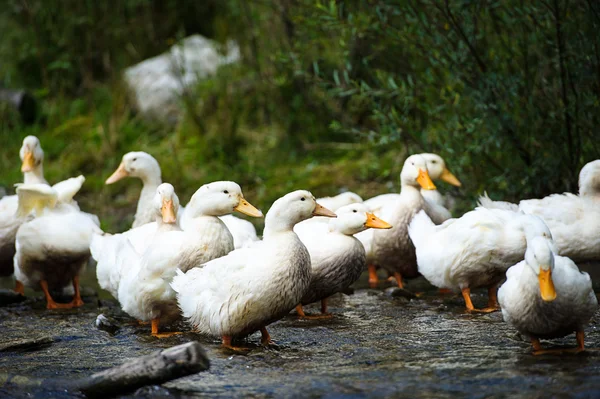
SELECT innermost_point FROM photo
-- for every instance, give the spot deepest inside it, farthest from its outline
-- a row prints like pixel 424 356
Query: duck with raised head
pixel 54 247
pixel 337 258
pixel 546 296
pixel 250 288
pixel 392 249
pixel 475 250
pixel 207 237
pixel 145 291
pixel 32 158
pixel 574 220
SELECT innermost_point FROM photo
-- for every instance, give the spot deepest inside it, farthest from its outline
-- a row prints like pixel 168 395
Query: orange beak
pixel 547 285
pixel 450 178
pixel 28 162
pixel 424 180
pixel 320 210
pixel 168 212
pixel 375 223
pixel 120 173
pixel 248 209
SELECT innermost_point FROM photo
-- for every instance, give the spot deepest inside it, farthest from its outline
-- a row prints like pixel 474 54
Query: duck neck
pixel 150 184
pixel 35 176
pixel 410 190
pixel 275 226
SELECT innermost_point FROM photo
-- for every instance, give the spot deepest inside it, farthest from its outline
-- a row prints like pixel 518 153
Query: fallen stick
pixel 169 364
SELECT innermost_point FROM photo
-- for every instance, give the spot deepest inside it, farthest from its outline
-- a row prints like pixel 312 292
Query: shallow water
pixel 375 346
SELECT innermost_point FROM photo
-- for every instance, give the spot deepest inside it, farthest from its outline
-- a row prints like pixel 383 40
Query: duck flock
pixel 210 267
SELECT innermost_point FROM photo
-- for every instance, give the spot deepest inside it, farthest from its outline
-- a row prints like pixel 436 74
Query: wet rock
pixel 163 366
pixel 24 345
pixel 107 324
pixel 8 297
pixel 396 292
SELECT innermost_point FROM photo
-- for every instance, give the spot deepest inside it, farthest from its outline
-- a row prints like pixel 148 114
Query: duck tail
pixel 177 283
pixel 420 228
pixel 486 202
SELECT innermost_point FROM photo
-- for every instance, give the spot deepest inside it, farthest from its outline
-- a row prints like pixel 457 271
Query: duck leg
pixel 50 304
pixel 227 343
pixel 19 287
pixel 398 277
pixel 77 302
pixel 466 293
pixel 265 338
pixel 155 323
pixel 537 347
pixel 303 315
pixel 373 278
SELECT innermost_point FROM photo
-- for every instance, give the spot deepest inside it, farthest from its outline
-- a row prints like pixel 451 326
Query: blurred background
pixel 285 94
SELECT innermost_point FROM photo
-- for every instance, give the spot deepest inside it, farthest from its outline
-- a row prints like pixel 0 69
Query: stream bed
pixel 376 345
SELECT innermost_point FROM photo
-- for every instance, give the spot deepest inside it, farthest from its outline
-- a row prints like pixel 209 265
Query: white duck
pixel 145 167
pixel 392 249
pixel 53 248
pixel 32 157
pixel 250 288
pixel 546 296
pixel 207 236
pixel 337 201
pixel 145 291
pixel 337 257
pixel 574 220
pixel 475 250
pixel 436 167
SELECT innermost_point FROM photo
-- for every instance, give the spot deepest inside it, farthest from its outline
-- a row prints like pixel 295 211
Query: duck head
pixel 291 209
pixel 137 164
pixel 31 154
pixel 354 218
pixel 437 169
pixel 540 258
pixel 166 204
pixel 414 173
pixel 589 179
pixel 221 198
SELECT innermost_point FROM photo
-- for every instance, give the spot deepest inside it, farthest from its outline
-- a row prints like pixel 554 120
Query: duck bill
pixel 547 285
pixel 28 162
pixel 449 178
pixel 375 223
pixel 320 210
pixel 424 180
pixel 248 209
pixel 168 212
pixel 120 173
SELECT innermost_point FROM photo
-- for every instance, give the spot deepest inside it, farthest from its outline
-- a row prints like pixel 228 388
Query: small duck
pixel 392 249
pixel 32 158
pixel 546 296
pixel 250 288
pixel 207 236
pixel 574 220
pixel 145 291
pixel 53 248
pixel 474 250
pixel 337 257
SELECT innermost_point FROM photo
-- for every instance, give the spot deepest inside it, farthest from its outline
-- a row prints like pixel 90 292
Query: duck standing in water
pixel 337 258
pixel 546 296
pixel 250 288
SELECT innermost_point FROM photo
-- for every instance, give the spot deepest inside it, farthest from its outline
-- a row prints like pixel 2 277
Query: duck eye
pixel 433 161
pixel 225 192
pixel 134 159
pixel 302 199
pixel 354 211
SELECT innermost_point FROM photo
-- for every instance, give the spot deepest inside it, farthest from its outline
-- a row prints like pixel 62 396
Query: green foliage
pixel 329 95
